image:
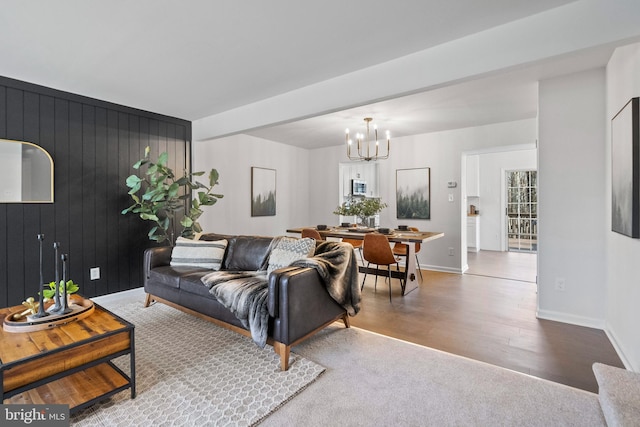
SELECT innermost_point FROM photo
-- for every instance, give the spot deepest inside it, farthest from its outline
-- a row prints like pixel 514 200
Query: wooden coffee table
pixel 68 364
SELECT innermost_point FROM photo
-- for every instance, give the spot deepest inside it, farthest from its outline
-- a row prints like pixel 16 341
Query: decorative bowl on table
pixel 321 226
pixel 361 230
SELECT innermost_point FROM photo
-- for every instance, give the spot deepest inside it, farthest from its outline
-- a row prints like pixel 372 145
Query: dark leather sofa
pixel 298 302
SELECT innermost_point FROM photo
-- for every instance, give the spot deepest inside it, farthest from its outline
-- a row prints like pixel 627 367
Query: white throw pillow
pixel 290 249
pixel 198 253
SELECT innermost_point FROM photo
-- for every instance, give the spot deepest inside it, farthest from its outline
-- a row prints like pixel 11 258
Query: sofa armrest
pixel 155 257
pixel 299 303
pixel 274 291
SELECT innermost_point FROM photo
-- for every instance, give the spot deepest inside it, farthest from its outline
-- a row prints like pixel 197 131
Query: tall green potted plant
pixel 159 196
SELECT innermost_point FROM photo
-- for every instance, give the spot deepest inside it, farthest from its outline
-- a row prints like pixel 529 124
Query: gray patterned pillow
pixel 198 253
pixel 290 249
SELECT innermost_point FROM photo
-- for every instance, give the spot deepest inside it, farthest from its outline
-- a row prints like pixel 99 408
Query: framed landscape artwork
pixel 263 192
pixel 413 193
pixel 625 170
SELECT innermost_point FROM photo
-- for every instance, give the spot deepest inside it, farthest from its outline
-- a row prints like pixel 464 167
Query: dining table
pixel 407 237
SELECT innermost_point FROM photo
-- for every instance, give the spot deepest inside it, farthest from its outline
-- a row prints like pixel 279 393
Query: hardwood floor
pixel 488 319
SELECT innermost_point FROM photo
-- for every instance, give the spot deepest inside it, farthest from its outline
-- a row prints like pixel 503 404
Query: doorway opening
pixel 505 199
pixel 522 211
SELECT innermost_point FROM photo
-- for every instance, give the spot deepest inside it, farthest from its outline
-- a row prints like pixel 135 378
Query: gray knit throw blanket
pixel 245 293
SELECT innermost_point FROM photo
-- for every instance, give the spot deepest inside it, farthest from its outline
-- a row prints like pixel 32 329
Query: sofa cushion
pixel 170 276
pixel 289 249
pixel 194 253
pixel 248 253
pixel 231 240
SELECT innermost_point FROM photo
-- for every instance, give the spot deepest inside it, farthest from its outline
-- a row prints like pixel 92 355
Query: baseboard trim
pixel 135 293
pixel 618 348
pixel 572 319
pixel 441 269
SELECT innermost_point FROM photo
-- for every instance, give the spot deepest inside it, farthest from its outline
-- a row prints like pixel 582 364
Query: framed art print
pixel 625 170
pixel 263 192
pixel 413 193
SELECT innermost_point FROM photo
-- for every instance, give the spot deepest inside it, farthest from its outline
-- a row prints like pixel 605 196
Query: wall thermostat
pixel 452 184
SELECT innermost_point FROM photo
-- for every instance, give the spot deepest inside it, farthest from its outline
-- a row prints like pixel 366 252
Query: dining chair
pixel 376 250
pixel 312 233
pixel 357 246
pixel 401 249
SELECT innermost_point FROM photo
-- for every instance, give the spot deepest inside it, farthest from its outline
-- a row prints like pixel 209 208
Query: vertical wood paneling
pixel 75 248
pixel 124 165
pixel 101 203
pixel 16 281
pixel 4 238
pixel 31 215
pixel 47 210
pixel 93 145
pixel 88 199
pixel 112 201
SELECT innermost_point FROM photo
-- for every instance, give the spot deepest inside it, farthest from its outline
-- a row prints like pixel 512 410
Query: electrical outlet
pixel 450 251
pixel 451 197
pixel 560 284
pixel 94 273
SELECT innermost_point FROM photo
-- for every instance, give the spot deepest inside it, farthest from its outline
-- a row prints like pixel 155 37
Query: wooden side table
pixel 69 364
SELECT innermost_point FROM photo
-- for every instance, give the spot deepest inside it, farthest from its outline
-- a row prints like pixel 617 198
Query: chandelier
pixel 363 146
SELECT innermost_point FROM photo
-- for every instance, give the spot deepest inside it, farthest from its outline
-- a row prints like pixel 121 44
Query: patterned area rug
pixel 192 372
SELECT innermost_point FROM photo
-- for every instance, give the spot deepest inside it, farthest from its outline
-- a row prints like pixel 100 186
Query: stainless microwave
pixel 358 187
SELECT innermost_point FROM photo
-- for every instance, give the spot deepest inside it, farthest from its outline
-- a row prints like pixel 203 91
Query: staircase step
pixel 619 395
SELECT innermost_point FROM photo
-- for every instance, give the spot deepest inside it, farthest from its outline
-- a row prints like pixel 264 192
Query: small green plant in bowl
pixel 71 288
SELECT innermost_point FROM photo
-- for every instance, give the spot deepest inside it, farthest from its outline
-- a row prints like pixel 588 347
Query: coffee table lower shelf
pixel 78 390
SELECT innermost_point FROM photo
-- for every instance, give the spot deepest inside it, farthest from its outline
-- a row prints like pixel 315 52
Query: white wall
pixel 233 157
pixel 492 193
pixel 623 253
pixel 442 152
pixel 571 182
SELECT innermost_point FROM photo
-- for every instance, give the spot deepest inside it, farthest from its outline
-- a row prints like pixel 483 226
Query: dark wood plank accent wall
pixel 93 144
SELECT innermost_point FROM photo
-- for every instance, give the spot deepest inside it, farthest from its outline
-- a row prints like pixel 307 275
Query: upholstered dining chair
pixel 400 249
pixel 357 246
pixel 376 250
pixel 312 233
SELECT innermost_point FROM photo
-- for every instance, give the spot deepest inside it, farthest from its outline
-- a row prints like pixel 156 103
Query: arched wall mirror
pixel 26 173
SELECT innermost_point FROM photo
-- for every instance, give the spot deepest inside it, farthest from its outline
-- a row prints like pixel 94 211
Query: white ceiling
pixel 195 58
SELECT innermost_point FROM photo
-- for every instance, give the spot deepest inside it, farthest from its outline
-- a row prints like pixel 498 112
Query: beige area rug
pixel 373 380
pixel 191 372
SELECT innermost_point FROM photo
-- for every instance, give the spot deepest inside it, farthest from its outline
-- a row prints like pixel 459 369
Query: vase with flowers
pixel 363 208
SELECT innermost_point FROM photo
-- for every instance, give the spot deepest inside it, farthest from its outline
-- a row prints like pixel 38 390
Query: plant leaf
pixel 163 158
pixel 213 177
pixel 133 180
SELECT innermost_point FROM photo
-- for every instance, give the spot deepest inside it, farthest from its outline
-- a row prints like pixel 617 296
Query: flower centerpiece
pixel 362 208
